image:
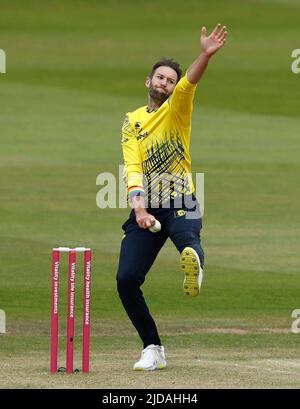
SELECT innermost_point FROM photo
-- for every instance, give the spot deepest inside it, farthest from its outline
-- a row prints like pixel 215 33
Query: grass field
pixel 74 68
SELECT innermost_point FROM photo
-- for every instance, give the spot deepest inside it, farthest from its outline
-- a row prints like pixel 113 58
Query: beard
pixel 158 96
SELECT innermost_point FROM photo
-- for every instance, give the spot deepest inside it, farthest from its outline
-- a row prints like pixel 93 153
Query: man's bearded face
pixel 158 94
pixel 162 84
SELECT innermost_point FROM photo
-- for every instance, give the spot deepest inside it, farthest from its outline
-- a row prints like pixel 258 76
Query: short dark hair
pixel 167 62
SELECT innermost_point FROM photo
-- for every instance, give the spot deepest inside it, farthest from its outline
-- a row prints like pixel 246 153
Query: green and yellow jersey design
pixel 156 147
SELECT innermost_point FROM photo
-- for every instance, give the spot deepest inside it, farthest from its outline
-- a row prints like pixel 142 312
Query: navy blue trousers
pixel 139 249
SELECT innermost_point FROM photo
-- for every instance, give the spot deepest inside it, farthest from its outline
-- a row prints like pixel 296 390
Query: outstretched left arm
pixel 210 45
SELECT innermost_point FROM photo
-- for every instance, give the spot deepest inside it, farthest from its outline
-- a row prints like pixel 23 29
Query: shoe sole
pixel 151 368
pixel 190 265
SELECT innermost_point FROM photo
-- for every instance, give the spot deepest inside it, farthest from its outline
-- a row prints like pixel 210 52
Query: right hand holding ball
pixel 156 227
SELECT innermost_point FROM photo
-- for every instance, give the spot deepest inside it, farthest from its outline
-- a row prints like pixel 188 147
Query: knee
pixel 127 281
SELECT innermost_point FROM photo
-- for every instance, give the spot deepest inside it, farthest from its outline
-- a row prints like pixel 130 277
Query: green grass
pixel 74 68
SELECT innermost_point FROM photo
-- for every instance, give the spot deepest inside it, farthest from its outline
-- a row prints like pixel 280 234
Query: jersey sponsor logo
pixel 142 135
pixel 138 128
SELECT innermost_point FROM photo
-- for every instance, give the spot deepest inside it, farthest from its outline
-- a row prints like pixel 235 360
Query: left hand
pixel 215 41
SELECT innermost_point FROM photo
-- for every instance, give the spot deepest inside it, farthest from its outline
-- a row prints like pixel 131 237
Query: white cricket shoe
pixel 193 273
pixel 153 357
